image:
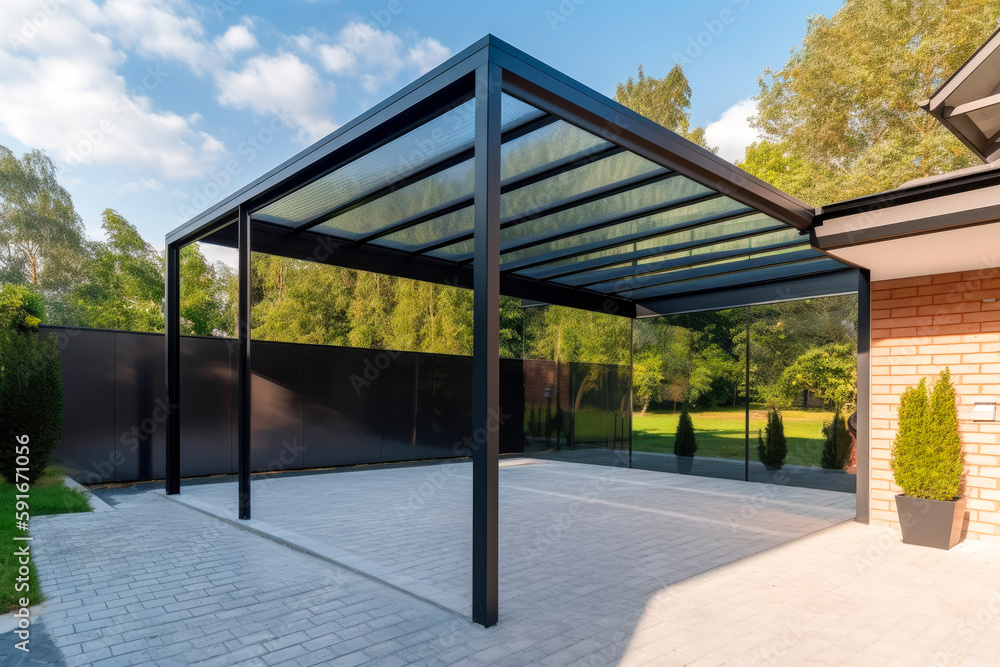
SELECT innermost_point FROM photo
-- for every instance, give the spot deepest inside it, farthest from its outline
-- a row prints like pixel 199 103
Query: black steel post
pixel 243 364
pixel 172 322
pixel 486 349
pixel 862 511
pixel 631 384
pixel 746 444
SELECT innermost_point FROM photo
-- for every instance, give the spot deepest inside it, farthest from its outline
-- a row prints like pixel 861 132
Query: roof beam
pixel 762 276
pixel 975 105
pixel 739 296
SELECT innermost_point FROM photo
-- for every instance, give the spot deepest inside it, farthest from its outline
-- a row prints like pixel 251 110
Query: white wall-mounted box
pixel 984 411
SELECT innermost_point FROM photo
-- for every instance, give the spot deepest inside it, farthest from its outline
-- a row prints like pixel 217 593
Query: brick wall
pixel 920 326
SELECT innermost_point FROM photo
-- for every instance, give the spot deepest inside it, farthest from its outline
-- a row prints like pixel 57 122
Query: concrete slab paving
pixel 153 582
pixel 411 527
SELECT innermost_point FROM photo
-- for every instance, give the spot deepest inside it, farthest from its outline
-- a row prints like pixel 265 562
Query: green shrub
pixel 927 459
pixel 21 309
pixel 837 448
pixel 31 388
pixel 684 441
pixel 771 446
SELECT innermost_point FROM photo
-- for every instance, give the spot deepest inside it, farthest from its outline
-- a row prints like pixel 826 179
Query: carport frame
pixel 482 73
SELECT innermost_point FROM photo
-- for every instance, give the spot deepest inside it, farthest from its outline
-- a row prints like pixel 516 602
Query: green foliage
pixel 124 286
pixel 31 387
pixel 666 101
pixel 837 446
pixel 48 496
pixel 840 119
pixel 21 309
pixel 927 459
pixel 771 445
pixel 41 235
pixel 830 372
pixel 684 441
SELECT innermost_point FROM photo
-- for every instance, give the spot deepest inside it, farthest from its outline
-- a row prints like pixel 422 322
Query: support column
pixel 862 512
pixel 243 364
pixel 486 349
pixel 746 443
pixel 172 320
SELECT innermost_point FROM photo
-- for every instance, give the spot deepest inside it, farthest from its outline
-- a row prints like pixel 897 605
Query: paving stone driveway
pixel 154 582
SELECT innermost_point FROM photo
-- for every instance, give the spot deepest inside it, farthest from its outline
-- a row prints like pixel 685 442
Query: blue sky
pixel 142 103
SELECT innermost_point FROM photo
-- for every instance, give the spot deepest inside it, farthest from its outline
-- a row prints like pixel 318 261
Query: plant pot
pixel 684 464
pixel 931 523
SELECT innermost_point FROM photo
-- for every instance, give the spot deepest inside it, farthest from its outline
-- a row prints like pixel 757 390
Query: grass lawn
pixel 48 496
pixel 721 433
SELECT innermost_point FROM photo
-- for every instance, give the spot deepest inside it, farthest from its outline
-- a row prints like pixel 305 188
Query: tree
pixel 684 440
pixel 205 306
pixel 840 119
pixel 666 101
pixel 771 445
pixel 926 458
pixel 31 388
pixel 837 444
pixel 830 372
pixel 124 286
pixel 41 235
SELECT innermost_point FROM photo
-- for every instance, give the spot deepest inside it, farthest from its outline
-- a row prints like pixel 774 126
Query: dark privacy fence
pixel 313 406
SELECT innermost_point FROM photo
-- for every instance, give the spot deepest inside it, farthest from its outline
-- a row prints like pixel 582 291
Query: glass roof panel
pixel 733 263
pixel 438 139
pixel 777 242
pixel 585 178
pixel 545 146
pixel 704 240
pixel 430 232
pixel 646 225
pixel 663 193
pixel 821 263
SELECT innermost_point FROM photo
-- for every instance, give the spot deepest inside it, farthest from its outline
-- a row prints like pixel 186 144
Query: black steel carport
pixel 496 173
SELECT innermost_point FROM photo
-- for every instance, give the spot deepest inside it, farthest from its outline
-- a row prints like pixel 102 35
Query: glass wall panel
pixel 576 385
pixel 688 365
pixel 803 361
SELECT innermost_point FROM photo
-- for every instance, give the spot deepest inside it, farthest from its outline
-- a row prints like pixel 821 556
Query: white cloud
pixel 374 57
pixel 732 132
pixel 62 92
pixel 157 28
pixel 281 85
pixel 143 184
pixel 427 54
pixel 237 38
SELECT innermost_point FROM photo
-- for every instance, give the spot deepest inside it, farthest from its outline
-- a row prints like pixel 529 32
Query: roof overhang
pixel 946 226
pixel 968 103
pixel 602 208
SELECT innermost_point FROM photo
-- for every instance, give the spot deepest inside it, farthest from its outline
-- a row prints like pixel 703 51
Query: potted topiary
pixel 684 442
pixel 927 463
pixel 771 446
